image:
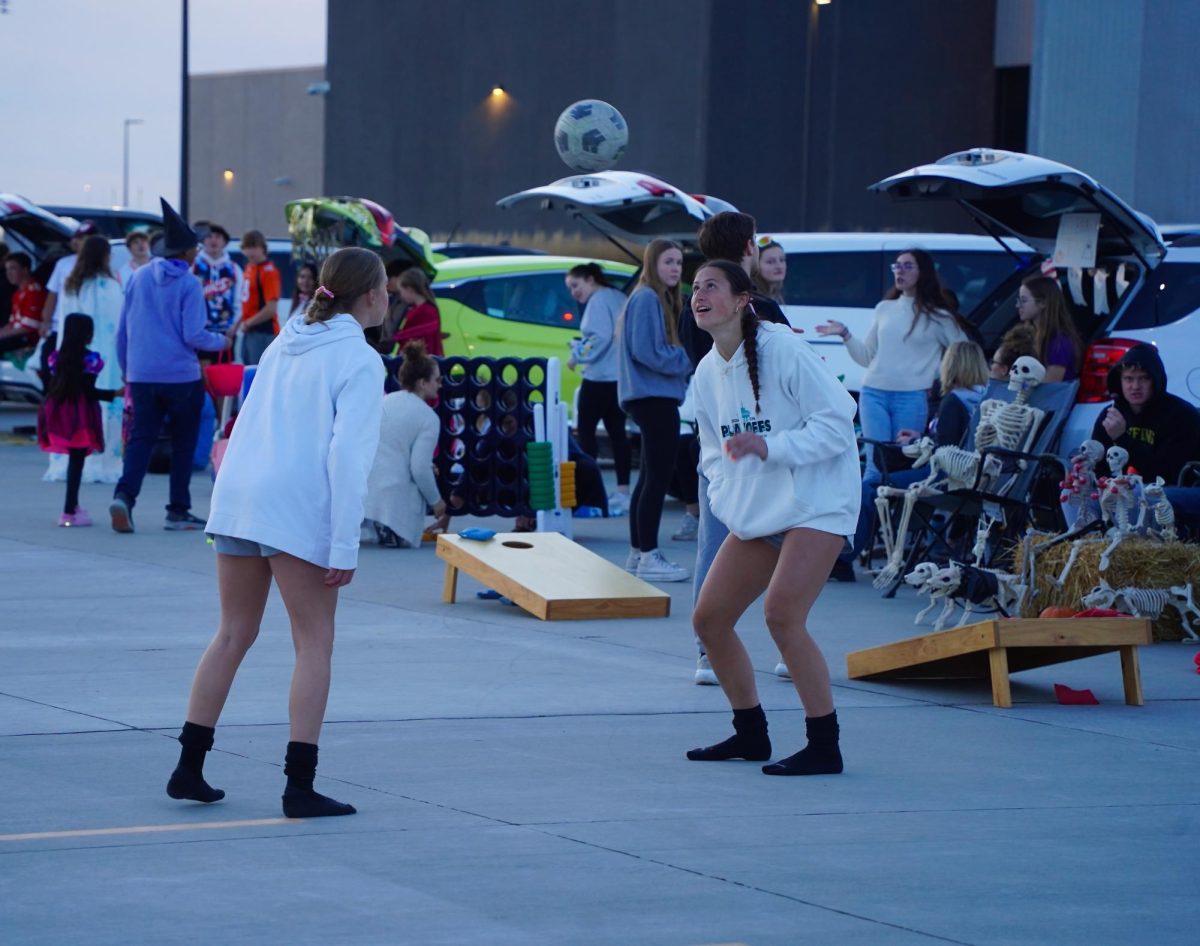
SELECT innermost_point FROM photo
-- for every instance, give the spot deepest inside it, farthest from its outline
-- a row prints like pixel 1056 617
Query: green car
pixel 515 307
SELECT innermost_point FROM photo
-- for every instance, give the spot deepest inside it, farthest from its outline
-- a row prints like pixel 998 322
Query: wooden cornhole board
pixel 550 576
pixel 998 648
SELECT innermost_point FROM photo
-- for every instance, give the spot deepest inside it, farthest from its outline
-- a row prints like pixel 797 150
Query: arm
pixel 420 323
pixel 863 350
pixel 601 326
pixel 48 313
pixel 829 428
pixel 710 442
pixel 952 423
pixel 193 318
pixel 271 284
pixel 647 337
pixel 358 405
pixel 421 459
pixel 122 330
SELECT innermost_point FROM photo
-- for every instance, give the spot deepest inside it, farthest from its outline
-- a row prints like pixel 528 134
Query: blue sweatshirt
pixel 162 325
pixel 647 364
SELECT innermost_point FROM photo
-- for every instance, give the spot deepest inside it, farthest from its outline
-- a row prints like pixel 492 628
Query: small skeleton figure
pixel 1079 486
pixel 959 465
pixel 1012 424
pixel 983 529
pixel 1146 602
pixel 1156 505
pixel 1118 499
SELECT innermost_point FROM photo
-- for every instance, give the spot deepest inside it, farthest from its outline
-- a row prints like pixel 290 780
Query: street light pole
pixel 125 165
pixel 184 120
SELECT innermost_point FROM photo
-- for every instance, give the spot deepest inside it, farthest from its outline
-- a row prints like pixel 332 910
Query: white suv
pixel 1143 288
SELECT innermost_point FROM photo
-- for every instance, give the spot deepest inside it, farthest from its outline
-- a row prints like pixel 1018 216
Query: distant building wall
pixel 263 127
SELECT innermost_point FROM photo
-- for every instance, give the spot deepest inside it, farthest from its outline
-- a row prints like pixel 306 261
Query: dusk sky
pixel 74 70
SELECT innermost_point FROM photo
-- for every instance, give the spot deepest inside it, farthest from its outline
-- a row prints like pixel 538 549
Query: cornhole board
pixel 550 576
pixel 997 648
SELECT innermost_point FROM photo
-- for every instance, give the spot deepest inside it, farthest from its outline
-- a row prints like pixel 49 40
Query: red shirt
pixel 261 284
pixel 425 323
pixel 27 306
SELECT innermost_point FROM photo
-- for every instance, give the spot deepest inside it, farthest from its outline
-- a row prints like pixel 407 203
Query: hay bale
pixel 1141 562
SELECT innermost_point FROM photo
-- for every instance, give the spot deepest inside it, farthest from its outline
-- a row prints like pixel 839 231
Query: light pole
pixel 125 175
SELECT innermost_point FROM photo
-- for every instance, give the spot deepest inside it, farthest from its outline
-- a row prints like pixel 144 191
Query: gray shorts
pixel 775 540
pixel 228 545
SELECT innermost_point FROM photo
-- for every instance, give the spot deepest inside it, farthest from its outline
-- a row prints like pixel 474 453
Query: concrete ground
pixel 523 782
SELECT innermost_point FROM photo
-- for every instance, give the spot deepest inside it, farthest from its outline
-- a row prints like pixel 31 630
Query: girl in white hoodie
pixel 777 446
pixel 287 506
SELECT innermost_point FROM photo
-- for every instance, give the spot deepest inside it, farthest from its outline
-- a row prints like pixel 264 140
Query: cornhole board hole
pixel 997 648
pixel 550 576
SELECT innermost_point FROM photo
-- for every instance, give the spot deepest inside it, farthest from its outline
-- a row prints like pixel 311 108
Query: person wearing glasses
pixel 771 270
pixel 1056 341
pixel 902 351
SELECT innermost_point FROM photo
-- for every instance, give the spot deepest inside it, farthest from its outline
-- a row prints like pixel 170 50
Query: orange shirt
pixel 261 284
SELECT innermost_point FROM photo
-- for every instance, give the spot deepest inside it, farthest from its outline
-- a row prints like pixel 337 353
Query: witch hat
pixel 177 237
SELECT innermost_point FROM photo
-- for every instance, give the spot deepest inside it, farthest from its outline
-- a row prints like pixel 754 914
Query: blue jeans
pixel 154 403
pixel 1186 502
pixel 709 535
pixel 883 414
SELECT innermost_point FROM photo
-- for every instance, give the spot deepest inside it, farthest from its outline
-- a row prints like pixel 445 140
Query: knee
pixel 709 626
pixel 236 639
pixel 780 620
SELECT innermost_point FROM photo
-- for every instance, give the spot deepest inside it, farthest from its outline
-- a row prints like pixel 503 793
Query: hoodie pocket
pixel 755 499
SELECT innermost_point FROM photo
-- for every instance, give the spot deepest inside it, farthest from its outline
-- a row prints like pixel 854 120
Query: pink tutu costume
pixel 73 424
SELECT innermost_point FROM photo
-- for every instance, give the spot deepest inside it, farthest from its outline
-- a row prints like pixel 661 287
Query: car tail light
pixel 657 188
pixel 1097 360
pixel 700 198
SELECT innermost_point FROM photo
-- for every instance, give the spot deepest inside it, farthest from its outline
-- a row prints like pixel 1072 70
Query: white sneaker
pixel 618 505
pixel 781 671
pixel 654 567
pixel 632 561
pixel 687 529
pixel 704 673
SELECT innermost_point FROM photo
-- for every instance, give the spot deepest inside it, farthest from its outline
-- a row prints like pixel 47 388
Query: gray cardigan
pixel 647 364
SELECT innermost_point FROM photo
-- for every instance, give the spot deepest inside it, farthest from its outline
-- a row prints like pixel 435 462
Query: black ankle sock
pixel 820 757
pixel 187 781
pixel 299 799
pixel 749 740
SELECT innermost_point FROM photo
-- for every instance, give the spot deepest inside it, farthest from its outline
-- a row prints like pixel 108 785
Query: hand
pixel 833 327
pixel 439 509
pixel 228 342
pixel 571 363
pixel 43 330
pixel 1114 423
pixel 741 445
pixel 231 331
pixel 338 577
pixel 904 435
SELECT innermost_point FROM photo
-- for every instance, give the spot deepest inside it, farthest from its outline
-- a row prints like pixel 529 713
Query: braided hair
pixel 740 284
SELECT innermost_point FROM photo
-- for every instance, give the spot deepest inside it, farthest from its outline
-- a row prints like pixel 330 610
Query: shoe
pixel 705 676
pixel 122 516
pixel 781 671
pixel 654 567
pixel 631 562
pixel 618 505
pixel 78 519
pixel 183 522
pixel 687 529
pixel 843 570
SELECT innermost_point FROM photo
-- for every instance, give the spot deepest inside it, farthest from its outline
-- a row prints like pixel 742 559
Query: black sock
pixel 299 799
pixel 749 740
pixel 820 757
pixel 187 781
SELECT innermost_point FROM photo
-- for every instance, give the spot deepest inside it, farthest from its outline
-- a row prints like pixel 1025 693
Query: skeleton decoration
pixel 1007 424
pixel 1080 491
pixel 983 529
pixel 1157 507
pixel 1118 499
pixel 1146 602
pixel 967 584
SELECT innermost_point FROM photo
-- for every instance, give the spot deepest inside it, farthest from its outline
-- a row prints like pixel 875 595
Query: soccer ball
pixel 591 136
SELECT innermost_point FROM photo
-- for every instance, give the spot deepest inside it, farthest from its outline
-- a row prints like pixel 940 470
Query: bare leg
pixel 805 562
pixel 243 582
pixel 310 606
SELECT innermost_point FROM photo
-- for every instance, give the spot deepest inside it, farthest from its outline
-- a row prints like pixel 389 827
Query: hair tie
pixel 322 291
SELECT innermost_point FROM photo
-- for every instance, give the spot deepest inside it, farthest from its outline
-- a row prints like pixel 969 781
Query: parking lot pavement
pixel 524 782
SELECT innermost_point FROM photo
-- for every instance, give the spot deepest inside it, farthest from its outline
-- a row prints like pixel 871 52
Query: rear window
pixel 541 299
pixel 1172 293
pixel 973 276
pixel 851 280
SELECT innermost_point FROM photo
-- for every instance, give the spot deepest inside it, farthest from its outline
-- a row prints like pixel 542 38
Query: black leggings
pixel 658 419
pixel 598 402
pixel 75 460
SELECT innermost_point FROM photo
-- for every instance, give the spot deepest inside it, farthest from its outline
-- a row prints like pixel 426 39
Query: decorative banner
pixel 1076 243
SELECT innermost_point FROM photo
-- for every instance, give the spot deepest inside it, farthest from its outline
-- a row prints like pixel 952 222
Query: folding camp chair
pixel 945 523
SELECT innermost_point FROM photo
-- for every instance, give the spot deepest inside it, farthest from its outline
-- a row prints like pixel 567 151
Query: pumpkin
pixel 1057 612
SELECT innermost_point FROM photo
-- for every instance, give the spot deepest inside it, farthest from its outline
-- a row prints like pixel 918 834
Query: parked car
pixel 1143 288
pixel 112 222
pixel 830 275
pixel 514 306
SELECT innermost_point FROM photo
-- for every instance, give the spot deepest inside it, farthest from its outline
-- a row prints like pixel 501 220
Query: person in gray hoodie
pixel 652 373
pixel 162 327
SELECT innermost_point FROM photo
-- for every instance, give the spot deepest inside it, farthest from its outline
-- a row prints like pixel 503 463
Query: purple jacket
pixel 162 325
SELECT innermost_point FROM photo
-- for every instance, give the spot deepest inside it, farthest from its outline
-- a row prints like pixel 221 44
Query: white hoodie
pixel 295 471
pixel 811 475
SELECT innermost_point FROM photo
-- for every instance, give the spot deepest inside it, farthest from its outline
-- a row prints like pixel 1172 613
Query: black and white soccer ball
pixel 591 136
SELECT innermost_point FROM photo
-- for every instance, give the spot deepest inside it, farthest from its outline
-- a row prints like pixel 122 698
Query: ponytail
pixel 346 275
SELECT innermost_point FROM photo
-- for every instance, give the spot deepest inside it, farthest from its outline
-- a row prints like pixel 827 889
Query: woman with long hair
pixel 652 373
pixel 771 269
pixel 422 322
pixel 1056 340
pixel 286 509
pixel 92 289
pixel 596 356
pixel 912 328
pixel 306 284
pixel 778 450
